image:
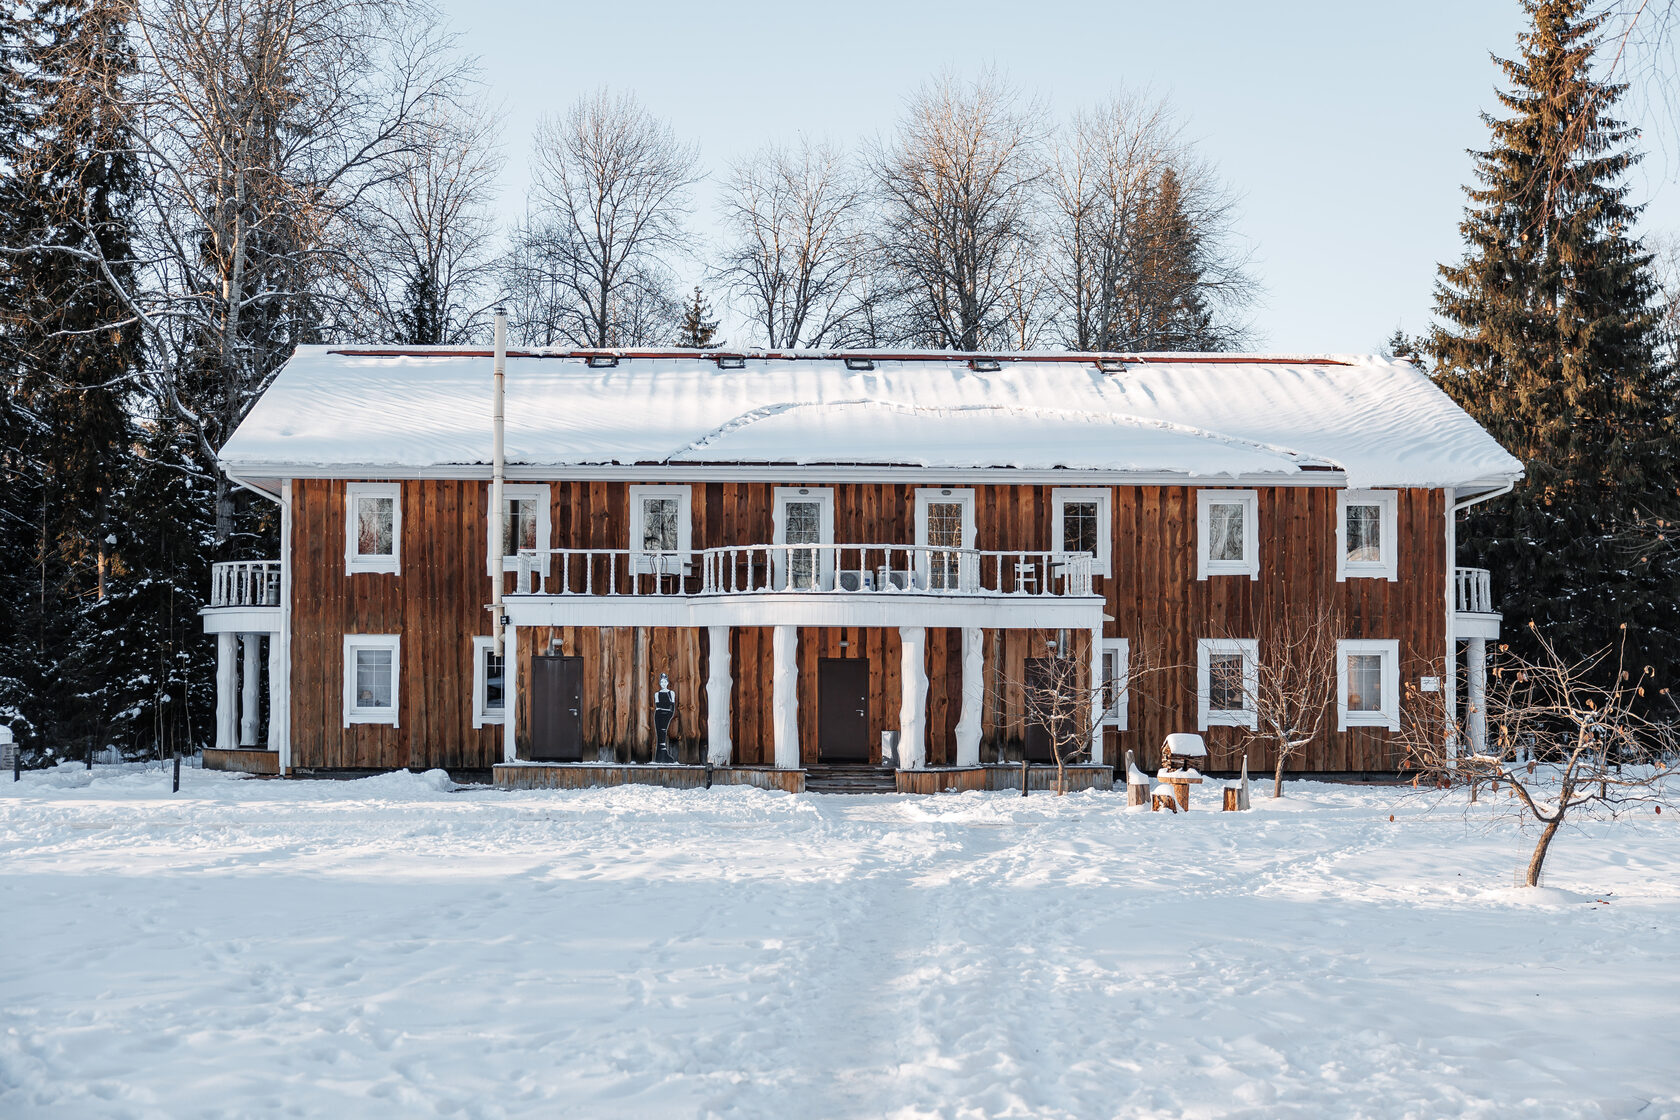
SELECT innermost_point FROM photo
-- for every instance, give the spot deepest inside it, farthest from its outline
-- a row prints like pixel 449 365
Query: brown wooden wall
pixel 1156 601
pixel 436 604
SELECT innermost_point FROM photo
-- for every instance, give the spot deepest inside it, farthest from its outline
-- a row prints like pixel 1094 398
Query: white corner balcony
pixel 244 598
pixel 803 585
pixel 1473 613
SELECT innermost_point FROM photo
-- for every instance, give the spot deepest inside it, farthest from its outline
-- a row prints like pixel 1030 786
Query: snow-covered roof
pixel 1199 416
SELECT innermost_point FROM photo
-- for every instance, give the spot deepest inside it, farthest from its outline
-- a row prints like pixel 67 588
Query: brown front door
pixel 556 709
pixel 842 709
pixel 1038 745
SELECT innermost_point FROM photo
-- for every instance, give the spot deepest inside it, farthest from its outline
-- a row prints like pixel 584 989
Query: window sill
pixel 388 717
pixel 1368 719
pixel 1231 719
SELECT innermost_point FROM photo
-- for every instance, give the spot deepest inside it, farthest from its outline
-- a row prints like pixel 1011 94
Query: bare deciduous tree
pixel 1142 248
pixel 1098 180
pixel 794 257
pixel 261 125
pixel 956 196
pixel 1289 684
pixel 428 258
pixel 609 200
pixel 1568 738
pixel 1064 701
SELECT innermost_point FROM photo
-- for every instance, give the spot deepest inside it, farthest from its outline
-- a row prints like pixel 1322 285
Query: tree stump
pixel 1233 799
pixel 1136 794
pixel 1163 801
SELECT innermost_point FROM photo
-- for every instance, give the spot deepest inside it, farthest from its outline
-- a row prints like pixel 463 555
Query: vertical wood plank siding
pixel 437 605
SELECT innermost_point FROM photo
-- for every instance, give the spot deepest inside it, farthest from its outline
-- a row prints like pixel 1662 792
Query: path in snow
pixel 388 947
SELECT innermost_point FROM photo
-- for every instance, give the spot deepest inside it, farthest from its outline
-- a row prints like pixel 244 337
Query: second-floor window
pixel 944 526
pixel 660 528
pixel 1082 524
pixel 1227 533
pixel 804 515
pixel 525 521
pixel 1366 533
pixel 373 526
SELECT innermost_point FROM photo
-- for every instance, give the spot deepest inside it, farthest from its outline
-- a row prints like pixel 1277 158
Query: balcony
pixel 1473 613
pixel 813 585
pixel 244 597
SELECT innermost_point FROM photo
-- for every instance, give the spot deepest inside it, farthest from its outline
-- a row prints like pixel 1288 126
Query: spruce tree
pixel 67 184
pixel 699 327
pixel 1549 342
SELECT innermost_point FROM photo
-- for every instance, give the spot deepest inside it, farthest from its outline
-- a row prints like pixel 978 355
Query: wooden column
pixel 227 684
pixel 912 707
pixel 784 699
pixel 719 749
pixel 973 696
pixel 1097 708
pixel 1475 661
pixel 252 644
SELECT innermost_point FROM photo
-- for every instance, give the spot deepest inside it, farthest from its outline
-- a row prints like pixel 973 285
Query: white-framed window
pixel 944 521
pixel 489 698
pixel 525 522
pixel 1227 678
pixel 1368 683
pixel 372 670
pixel 372 527
pixel 803 515
pixel 1227 533
pixel 1117 694
pixel 1367 537
pixel 661 523
pixel 1084 516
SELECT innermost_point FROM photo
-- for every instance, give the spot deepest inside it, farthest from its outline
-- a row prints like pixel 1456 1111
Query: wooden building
pixel 834 555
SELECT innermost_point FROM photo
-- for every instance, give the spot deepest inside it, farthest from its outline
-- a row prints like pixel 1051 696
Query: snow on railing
pixel 245 583
pixel 838 569
pixel 1475 591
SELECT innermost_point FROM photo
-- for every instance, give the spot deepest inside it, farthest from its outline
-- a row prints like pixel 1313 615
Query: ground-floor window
pixel 371 665
pixel 1368 684
pixel 1116 653
pixel 1227 677
pixel 489 699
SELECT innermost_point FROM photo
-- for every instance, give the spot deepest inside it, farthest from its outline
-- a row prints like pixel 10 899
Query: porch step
pixel 841 777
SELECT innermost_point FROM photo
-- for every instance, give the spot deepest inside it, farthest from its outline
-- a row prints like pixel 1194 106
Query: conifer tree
pixel 1549 342
pixel 699 327
pixel 67 185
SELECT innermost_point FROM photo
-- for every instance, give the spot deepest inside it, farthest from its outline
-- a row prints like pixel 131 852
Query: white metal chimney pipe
pixel 498 471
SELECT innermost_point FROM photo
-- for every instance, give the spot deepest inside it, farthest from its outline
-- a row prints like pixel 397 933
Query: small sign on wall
pixel 1429 684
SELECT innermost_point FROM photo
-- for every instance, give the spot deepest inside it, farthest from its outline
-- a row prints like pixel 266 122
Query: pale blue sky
pixel 1343 125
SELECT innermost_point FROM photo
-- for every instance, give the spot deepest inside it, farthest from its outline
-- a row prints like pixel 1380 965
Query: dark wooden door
pixel 1038 746
pixel 842 709
pixel 557 709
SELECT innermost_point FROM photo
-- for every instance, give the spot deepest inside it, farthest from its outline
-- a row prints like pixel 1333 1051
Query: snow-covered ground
pixel 389 947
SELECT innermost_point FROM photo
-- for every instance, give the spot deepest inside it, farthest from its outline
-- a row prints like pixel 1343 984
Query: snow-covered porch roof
pixel 366 412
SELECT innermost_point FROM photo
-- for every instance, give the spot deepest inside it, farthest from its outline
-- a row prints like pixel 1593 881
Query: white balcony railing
pixel 1474 591
pixel 245 583
pixel 837 569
